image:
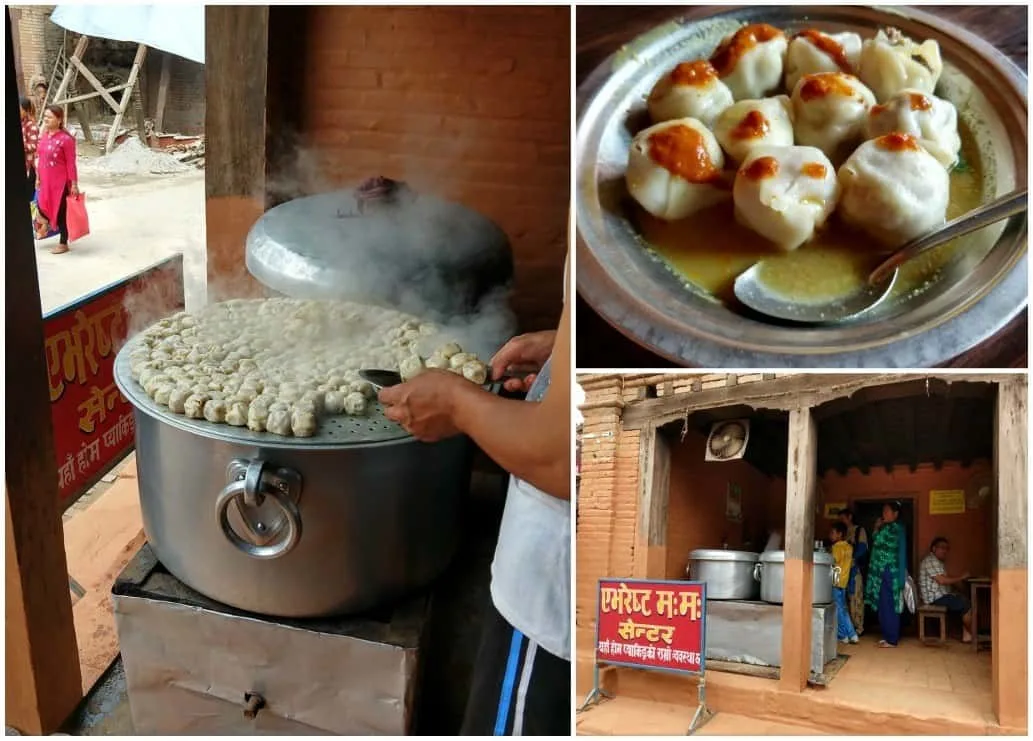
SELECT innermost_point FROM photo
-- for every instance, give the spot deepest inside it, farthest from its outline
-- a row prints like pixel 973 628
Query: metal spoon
pixel 751 290
pixel 381 379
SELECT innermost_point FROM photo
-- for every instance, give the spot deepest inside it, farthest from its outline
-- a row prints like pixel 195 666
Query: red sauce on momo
pixel 829 46
pixel 682 151
pixel 696 74
pixel 752 126
pixel 732 49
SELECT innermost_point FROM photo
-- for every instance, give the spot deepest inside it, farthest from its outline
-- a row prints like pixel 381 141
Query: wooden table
pixel 974 586
pixel 601 30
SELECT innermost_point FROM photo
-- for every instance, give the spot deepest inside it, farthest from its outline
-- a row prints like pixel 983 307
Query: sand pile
pixel 134 158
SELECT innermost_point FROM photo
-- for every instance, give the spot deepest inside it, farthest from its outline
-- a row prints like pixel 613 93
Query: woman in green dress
pixel 858 538
pixel 887 571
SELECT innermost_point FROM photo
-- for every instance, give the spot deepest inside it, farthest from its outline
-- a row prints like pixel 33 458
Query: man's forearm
pixel 520 436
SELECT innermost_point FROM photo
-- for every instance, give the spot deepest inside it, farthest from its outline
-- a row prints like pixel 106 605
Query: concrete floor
pixel 135 221
pixel 905 690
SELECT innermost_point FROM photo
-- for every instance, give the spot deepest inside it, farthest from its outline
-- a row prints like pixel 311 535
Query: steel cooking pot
pixel 770 572
pixel 728 574
pixel 296 527
pixel 424 255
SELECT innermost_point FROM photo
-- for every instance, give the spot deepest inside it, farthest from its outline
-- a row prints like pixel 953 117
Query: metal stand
pixel 702 714
pixel 597 692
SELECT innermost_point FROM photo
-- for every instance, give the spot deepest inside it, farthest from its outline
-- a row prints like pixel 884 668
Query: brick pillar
pixel 797 590
pixel 1009 608
pixel 601 439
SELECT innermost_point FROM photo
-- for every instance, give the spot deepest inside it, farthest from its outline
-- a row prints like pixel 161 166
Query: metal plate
pixel 980 292
pixel 422 256
pixel 336 431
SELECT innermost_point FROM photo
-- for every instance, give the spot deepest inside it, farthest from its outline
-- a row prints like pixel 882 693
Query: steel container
pixel 728 574
pixel 296 527
pixel 430 257
pixel 980 289
pixel 770 572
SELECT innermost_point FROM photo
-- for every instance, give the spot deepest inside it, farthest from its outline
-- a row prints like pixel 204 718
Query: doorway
pixel 866 513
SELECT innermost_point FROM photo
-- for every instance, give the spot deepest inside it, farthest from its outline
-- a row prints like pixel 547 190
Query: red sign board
pixel 93 422
pixel 652 624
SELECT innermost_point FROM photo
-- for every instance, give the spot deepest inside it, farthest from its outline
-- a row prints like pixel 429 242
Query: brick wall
pixel 30 24
pixel 185 103
pixel 471 103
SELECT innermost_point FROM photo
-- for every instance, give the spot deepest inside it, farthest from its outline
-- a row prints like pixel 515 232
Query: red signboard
pixel 93 422
pixel 652 624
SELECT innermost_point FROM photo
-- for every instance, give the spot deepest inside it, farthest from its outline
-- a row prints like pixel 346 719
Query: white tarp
pixel 177 29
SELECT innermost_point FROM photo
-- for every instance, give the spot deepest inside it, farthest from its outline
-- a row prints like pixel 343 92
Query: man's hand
pixel 425 406
pixel 531 349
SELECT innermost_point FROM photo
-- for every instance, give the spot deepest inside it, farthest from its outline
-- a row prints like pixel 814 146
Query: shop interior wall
pixel 468 103
pixel 697 515
pixel 970 533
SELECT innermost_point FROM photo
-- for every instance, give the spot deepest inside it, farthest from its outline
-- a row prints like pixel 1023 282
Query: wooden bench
pixel 932 612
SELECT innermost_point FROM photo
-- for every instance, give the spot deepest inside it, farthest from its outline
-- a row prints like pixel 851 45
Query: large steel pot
pixel 770 572
pixel 728 574
pixel 296 527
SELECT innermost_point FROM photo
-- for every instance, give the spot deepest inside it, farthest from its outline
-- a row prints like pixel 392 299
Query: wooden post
pixel 236 65
pixel 654 495
pixel 127 96
pixel 797 587
pixel 1009 606
pixel 41 661
pixel 163 92
pixel 71 69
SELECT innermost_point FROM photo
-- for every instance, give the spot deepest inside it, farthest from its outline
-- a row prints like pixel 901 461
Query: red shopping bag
pixel 78 221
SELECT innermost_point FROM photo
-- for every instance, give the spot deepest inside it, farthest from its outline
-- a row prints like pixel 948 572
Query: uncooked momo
pixel 785 193
pixel 750 60
pixel 893 189
pixel 812 51
pixel 892 62
pixel 754 123
pixel 829 111
pixel 933 121
pixel 673 168
pixel 690 90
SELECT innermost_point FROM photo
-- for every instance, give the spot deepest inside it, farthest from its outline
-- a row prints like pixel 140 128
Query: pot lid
pixel 820 557
pixel 720 554
pixel 414 252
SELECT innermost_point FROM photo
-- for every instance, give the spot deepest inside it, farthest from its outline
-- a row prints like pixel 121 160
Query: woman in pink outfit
pixel 56 172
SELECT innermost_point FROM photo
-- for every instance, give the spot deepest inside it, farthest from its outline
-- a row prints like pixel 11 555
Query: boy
pixel 843 555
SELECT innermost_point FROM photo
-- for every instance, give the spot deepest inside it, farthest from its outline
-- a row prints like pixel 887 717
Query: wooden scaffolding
pixel 75 67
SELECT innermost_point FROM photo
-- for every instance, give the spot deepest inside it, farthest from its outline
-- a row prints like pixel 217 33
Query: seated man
pixel 934 583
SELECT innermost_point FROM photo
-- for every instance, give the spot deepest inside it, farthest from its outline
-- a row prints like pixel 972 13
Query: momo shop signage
pixel 652 625
pixel 92 421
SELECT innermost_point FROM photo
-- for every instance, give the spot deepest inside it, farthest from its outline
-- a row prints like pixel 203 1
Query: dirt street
pixel 135 221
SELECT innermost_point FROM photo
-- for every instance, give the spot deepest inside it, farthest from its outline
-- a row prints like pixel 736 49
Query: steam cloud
pixel 409 264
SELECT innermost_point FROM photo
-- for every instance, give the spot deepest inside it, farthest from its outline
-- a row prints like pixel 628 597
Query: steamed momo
pixel 753 123
pixel 750 60
pixel 829 110
pixel 674 168
pixel 933 121
pixel 785 194
pixel 893 189
pixel 690 90
pixel 892 62
pixel 812 51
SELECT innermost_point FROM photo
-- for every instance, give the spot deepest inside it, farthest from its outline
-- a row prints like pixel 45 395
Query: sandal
pixel 59 249
pixel 883 644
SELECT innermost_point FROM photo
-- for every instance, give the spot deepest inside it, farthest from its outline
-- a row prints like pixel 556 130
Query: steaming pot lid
pixel 324 247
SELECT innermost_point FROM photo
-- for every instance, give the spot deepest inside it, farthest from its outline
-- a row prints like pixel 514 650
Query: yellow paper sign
pixel 947 502
pixel 832 510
